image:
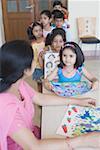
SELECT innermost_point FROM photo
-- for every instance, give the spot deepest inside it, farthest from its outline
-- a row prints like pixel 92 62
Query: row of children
pixel 46 38
pixel 41 43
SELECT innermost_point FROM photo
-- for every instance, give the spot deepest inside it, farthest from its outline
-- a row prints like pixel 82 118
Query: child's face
pixel 37 31
pixel 59 22
pixel 58 7
pixel 69 57
pixel 45 20
pixel 57 43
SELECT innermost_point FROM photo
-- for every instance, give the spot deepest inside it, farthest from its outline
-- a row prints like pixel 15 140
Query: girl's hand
pixel 47 84
pixel 41 54
pixel 89 102
pixel 95 85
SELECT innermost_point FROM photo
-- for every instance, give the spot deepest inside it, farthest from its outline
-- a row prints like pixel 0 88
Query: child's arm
pixel 52 75
pixel 91 78
pixel 41 59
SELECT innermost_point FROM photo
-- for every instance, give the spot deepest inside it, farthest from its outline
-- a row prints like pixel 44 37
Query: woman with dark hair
pixel 17 100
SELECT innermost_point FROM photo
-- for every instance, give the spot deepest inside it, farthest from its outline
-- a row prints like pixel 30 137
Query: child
pixel 58 5
pixel 54 41
pixel 45 18
pixel 71 66
pixel 17 101
pixel 60 23
pixel 38 44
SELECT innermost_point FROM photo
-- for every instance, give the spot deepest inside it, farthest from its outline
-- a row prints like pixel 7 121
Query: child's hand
pixel 41 54
pixel 89 102
pixel 95 85
pixel 47 84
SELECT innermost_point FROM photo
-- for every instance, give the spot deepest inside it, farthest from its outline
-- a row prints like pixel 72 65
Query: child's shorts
pixel 38 75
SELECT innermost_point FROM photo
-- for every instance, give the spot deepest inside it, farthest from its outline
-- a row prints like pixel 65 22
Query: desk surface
pixel 52 116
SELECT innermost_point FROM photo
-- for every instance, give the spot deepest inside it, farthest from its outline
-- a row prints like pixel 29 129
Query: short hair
pixel 47 13
pixel 57 3
pixel 58 15
pixel 77 50
pixel 15 57
pixel 54 11
pixel 30 28
pixel 53 34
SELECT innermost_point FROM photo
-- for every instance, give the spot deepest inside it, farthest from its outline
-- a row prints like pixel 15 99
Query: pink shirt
pixel 15 114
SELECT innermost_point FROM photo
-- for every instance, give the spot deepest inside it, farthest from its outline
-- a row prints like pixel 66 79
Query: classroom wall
pixel 83 8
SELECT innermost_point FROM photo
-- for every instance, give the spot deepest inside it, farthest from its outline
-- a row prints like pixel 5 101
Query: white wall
pixel 83 8
pixel 2 39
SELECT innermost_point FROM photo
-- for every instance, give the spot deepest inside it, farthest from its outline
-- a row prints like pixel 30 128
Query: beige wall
pixel 83 8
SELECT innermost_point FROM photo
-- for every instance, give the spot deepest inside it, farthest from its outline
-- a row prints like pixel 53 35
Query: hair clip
pixel 70 45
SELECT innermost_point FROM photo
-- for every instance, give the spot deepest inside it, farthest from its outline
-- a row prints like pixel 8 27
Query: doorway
pixel 18 14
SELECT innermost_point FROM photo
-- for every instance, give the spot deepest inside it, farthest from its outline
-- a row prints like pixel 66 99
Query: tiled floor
pixel 92 65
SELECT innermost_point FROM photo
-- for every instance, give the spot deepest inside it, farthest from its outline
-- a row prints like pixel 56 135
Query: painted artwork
pixel 67 89
pixel 79 120
pixel 51 60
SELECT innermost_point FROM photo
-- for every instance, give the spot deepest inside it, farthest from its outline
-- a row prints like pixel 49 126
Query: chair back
pixel 86 27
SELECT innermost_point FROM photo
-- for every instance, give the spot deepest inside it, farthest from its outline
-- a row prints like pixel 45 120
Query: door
pixel 17 15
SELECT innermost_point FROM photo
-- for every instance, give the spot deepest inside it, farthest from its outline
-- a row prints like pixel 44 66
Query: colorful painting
pixel 67 89
pixel 79 120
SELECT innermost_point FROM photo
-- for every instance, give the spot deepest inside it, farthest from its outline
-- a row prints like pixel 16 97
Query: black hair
pixel 58 15
pixel 53 34
pixel 77 50
pixel 54 12
pixel 15 57
pixel 47 13
pixel 57 3
pixel 30 29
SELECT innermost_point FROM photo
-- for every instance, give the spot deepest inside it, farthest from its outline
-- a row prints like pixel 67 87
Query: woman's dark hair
pixel 47 13
pixel 77 50
pixel 53 34
pixel 15 57
pixel 30 29
pixel 57 3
